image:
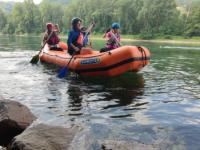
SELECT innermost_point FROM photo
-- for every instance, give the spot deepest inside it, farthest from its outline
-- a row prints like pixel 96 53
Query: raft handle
pixel 144 56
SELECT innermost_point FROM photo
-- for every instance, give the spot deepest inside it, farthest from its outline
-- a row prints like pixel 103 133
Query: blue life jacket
pixel 72 39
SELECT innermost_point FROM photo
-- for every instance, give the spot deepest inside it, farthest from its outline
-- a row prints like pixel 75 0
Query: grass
pixel 160 39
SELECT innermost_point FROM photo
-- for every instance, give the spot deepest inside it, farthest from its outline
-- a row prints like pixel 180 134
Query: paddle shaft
pixel 36 58
pixel 88 30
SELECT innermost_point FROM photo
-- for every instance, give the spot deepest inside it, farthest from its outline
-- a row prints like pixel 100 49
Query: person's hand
pixel 77 49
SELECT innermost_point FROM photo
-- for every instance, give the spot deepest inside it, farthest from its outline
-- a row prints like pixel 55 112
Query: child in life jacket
pixel 51 37
pixel 113 38
pixel 75 37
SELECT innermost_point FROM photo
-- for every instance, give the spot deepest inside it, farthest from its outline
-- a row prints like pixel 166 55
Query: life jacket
pixel 53 39
pixel 112 43
pixel 80 39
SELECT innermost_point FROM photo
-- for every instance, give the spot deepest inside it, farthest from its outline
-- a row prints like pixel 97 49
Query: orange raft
pixel 93 63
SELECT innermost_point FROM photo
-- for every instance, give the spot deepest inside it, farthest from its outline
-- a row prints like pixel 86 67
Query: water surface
pixel 158 107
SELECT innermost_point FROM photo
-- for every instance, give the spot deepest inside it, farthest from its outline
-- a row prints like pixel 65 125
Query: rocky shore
pixel 18 132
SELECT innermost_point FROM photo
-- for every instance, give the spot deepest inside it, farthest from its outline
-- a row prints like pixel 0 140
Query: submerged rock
pixel 44 137
pixel 14 118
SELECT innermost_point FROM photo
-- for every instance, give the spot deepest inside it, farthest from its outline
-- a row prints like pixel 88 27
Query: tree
pixel 32 19
pixel 3 19
pixel 52 13
pixel 158 16
pixel 17 18
pixel 193 24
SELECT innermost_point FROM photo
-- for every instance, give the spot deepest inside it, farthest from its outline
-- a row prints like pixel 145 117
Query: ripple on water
pixel 158 106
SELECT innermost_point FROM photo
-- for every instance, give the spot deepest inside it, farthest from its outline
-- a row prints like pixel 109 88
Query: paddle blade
pixel 63 72
pixel 35 59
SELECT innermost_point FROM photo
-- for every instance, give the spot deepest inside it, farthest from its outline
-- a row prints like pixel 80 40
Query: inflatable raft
pixel 93 63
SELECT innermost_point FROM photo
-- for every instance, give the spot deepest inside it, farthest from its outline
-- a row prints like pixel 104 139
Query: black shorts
pixel 56 48
pixel 105 49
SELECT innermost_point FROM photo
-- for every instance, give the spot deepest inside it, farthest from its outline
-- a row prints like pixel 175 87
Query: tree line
pixel 146 18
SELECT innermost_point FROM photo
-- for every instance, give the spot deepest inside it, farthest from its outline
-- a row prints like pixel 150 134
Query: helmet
pixel 115 25
pixel 49 25
pixel 75 20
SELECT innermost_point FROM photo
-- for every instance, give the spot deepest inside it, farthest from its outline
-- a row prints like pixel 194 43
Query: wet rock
pixel 2 148
pixel 44 137
pixel 125 145
pixel 14 118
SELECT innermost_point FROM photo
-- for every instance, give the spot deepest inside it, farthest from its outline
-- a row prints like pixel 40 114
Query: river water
pixel 158 107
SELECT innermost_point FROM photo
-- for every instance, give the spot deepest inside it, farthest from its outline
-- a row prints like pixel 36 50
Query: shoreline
pixel 155 40
pixel 98 37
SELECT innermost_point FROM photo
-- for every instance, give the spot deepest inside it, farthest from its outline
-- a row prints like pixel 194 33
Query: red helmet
pixel 49 25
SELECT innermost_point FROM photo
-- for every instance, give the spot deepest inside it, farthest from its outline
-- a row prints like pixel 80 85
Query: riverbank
pixel 131 38
pixel 192 41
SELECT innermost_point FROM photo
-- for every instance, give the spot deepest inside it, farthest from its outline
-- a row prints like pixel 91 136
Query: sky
pixel 35 1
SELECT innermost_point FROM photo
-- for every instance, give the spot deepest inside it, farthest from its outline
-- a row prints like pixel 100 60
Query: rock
pixel 44 137
pixel 125 145
pixel 1 148
pixel 14 118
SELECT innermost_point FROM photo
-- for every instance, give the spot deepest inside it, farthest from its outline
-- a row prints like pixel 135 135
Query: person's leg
pixel 105 49
pixel 56 48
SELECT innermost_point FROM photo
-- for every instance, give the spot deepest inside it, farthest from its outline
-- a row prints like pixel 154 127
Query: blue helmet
pixel 115 25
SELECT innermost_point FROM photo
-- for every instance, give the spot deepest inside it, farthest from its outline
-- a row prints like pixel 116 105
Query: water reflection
pixel 159 105
pixel 106 95
pixel 75 99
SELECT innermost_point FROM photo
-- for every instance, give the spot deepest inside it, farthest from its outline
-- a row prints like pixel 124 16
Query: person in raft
pixel 75 37
pixel 51 37
pixel 113 38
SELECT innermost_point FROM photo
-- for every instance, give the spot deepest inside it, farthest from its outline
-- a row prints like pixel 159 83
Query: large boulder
pixel 44 137
pixel 14 118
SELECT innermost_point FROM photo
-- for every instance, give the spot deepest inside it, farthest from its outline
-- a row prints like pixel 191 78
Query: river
pixel 160 104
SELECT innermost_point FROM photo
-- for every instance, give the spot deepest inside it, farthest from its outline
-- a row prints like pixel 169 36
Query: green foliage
pixel 9 28
pixel 51 13
pixel 146 18
pixel 7 6
pixel 158 16
pixel 193 23
pixel 3 20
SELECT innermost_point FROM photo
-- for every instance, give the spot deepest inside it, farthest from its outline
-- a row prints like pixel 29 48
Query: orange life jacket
pixel 80 39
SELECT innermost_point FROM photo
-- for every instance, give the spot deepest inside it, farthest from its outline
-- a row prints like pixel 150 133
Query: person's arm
pixel 69 41
pixel 75 48
pixel 106 33
pixel 57 27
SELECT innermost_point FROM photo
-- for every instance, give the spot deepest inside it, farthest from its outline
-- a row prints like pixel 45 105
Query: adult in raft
pixel 75 37
pixel 113 38
pixel 51 37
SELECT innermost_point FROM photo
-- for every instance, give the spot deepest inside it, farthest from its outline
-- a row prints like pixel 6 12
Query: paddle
pixel 63 71
pixel 36 58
